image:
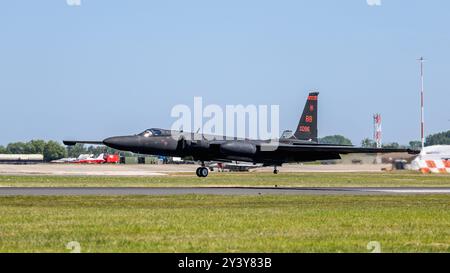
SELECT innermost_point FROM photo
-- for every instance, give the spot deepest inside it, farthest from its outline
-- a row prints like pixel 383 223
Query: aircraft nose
pixel 120 143
pixel 112 141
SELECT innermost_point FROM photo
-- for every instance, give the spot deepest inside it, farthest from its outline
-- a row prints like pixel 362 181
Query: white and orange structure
pixel 433 159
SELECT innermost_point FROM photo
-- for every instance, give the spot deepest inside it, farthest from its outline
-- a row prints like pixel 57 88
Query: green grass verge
pixel 225 223
pixel 395 179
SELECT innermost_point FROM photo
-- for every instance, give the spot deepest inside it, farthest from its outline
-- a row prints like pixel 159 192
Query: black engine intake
pixel 238 148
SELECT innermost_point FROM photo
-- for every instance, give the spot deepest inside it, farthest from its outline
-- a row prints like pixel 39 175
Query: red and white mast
pixel 422 126
pixel 377 129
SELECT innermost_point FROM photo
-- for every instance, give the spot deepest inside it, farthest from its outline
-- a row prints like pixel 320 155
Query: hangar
pixel 21 158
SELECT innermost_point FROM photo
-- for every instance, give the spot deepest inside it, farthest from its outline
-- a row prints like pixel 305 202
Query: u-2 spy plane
pixel 300 146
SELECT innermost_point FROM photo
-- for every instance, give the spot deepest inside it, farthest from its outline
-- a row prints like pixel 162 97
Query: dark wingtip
pixel 69 143
pixel 413 152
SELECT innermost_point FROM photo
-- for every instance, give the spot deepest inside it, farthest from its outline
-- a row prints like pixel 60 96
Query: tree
pixel 17 148
pixel 97 150
pixel 103 149
pixel 3 150
pixel 393 145
pixel 35 147
pixel 438 139
pixel 32 147
pixel 53 150
pixel 368 143
pixel 76 150
pixel 336 139
pixel 415 144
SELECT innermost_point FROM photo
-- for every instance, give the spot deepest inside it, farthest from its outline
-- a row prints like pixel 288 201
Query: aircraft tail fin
pixel 307 126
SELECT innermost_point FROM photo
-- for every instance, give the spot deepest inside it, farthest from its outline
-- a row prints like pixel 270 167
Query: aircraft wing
pixel 73 142
pixel 342 149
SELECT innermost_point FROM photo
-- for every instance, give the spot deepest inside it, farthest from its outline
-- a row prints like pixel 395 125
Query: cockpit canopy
pixel 287 134
pixel 155 132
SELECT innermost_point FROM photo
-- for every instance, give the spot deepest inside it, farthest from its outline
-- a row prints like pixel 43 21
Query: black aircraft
pixel 301 146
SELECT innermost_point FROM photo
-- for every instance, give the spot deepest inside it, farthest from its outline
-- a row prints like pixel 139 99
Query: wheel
pixel 204 172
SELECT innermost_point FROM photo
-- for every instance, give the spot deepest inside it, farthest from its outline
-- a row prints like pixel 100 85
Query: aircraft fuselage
pixel 214 148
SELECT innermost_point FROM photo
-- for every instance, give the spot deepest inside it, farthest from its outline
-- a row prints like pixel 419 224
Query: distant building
pixel 358 159
pixel 21 158
pixel 368 159
pixel 391 158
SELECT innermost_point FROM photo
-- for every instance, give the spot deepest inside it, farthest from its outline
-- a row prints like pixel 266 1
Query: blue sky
pixel 111 67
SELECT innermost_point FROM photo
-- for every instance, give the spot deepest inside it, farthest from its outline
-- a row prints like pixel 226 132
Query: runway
pixel 60 191
pixel 164 169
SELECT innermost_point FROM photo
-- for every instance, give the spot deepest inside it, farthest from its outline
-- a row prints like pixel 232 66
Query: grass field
pixel 226 223
pixel 391 179
pixel 193 223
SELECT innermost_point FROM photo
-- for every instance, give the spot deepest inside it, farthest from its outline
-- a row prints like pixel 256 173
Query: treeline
pixel 435 139
pixel 51 150
pixel 78 149
pixel 370 143
pixel 336 140
pixel 438 139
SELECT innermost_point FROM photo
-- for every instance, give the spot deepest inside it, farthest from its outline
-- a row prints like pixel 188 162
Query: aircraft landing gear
pixel 275 170
pixel 202 171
